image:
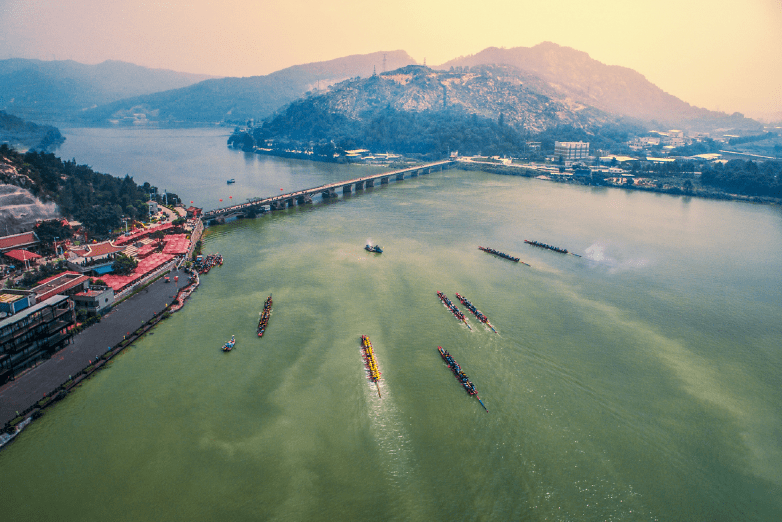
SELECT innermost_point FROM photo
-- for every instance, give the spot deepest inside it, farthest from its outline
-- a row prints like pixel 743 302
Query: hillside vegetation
pixel 98 200
pixel 415 109
pixel 21 134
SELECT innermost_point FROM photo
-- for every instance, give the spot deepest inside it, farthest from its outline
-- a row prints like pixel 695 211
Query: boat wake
pixel 597 253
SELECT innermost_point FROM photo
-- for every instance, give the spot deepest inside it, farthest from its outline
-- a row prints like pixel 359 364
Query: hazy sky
pixel 720 54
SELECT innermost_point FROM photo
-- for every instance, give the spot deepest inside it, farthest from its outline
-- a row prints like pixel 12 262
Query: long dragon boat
pixel 265 314
pixel 477 313
pixel 452 307
pixel 371 362
pixel 502 254
pixel 549 247
pixel 460 375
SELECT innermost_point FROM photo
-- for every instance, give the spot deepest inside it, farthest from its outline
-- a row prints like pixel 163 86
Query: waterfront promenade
pixel 30 387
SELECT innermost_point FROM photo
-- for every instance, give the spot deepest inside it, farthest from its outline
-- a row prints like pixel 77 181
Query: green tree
pixel 124 265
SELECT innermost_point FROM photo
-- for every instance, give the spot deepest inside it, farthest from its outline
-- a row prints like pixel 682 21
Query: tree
pixel 124 265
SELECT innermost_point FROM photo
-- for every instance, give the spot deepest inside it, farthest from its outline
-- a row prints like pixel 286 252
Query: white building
pixel 569 151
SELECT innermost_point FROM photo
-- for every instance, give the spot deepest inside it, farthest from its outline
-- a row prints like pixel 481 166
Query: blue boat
pixel 227 347
pixel 376 248
pixel 231 181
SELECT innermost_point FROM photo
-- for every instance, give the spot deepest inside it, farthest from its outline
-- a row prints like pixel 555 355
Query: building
pixel 18 241
pixel 66 283
pixel 13 301
pixel 96 301
pixel 193 212
pixel 23 257
pixel 34 334
pixel 644 142
pixel 568 151
pixel 97 258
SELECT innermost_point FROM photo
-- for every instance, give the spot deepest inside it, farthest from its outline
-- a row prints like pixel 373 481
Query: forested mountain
pixel 614 89
pixel 238 99
pixel 59 91
pixel 415 109
pixel 22 134
pixel 97 200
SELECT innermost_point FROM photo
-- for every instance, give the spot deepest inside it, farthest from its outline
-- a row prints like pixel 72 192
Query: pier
pixel 326 192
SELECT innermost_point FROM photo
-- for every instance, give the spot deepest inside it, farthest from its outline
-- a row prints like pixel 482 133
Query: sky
pixel 723 55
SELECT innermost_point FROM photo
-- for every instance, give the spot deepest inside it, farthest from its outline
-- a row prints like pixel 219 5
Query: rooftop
pixel 17 240
pixel 11 298
pixel 52 301
pixel 58 283
pixel 22 255
pixel 98 249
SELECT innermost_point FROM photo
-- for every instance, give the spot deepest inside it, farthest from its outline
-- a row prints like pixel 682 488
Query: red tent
pixel 22 255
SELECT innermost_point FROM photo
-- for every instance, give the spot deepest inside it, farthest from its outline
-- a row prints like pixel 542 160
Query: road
pixel 30 387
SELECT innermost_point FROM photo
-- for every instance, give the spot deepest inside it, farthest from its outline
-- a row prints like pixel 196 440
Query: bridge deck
pixel 212 214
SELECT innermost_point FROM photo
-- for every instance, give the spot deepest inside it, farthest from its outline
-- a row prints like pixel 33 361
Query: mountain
pixel 419 110
pixel 58 91
pixel 611 88
pixel 24 135
pixel 239 99
pixel 490 91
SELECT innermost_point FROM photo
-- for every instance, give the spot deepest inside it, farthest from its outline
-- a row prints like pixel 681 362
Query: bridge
pixel 327 192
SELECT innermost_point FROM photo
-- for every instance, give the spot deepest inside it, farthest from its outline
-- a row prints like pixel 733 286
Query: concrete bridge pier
pixel 370 183
pixel 359 185
pixel 414 173
pixel 400 177
pixel 277 205
pixel 290 202
pixel 384 181
pixel 304 199
pixel 346 189
pixel 329 193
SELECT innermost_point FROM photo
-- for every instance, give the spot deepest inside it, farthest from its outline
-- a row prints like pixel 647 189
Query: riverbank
pixel 671 186
pixel 26 397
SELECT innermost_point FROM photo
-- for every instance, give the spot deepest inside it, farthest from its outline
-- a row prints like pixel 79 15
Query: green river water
pixel 639 382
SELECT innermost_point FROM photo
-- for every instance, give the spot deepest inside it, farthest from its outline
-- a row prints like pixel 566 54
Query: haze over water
pixel 639 382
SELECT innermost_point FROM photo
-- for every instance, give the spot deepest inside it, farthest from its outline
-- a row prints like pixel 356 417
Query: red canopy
pixel 22 255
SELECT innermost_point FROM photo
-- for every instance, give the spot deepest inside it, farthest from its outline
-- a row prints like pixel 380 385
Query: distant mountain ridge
pixel 116 92
pixel 56 91
pixel 611 88
pixel 239 99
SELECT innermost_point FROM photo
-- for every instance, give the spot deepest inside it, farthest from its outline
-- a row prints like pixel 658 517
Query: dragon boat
pixel 453 309
pixel 477 313
pixel 502 254
pixel 370 362
pixel 376 249
pixel 227 347
pixel 265 314
pixel 469 387
pixel 549 247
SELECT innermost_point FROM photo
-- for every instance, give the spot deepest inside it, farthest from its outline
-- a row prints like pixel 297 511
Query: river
pixel 638 382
